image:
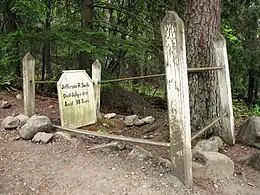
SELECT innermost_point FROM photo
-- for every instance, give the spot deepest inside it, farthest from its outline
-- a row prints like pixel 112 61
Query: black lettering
pixel 84 101
pixel 77 102
pixel 68 103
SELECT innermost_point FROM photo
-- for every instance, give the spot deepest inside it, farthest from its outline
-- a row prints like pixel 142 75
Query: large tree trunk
pixel 202 24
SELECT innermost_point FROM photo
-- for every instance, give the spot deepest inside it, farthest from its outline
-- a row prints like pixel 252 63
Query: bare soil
pixel 63 167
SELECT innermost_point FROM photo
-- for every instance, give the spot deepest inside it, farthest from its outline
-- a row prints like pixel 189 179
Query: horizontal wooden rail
pixel 46 82
pixel 207 127
pixel 115 137
pixel 132 78
pixel 190 70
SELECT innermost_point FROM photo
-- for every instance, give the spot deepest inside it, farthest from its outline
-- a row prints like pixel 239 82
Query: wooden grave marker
pixel 76 99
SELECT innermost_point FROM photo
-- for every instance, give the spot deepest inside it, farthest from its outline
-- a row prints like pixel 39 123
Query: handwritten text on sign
pixel 82 96
pixel 76 99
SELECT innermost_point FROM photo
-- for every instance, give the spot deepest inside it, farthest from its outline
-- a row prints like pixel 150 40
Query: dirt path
pixel 62 168
pixel 69 168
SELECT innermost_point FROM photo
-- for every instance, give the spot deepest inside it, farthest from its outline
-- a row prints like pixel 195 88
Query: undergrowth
pixel 242 110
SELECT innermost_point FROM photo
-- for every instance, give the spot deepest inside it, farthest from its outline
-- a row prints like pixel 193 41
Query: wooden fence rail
pixel 190 70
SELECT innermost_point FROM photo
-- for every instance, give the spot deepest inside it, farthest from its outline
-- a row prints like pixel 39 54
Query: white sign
pixel 76 99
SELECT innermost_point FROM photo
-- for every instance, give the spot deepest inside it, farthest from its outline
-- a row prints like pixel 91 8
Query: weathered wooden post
pixel 29 84
pixel 96 78
pixel 227 132
pixel 173 37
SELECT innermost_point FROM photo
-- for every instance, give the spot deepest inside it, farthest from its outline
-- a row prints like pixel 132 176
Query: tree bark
pixel 46 62
pixel 84 58
pixel 202 24
pixel 251 86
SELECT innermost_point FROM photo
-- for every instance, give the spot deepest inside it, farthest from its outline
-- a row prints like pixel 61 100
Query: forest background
pixel 124 35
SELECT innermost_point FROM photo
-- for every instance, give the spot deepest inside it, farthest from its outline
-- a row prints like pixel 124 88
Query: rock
pixel 61 136
pixel 165 162
pixel 196 165
pixel 109 115
pixel 19 96
pixel 249 133
pixel 216 166
pixel 146 120
pixel 105 125
pixel 149 120
pixel 255 161
pixel 130 120
pixel 22 119
pixel 42 137
pixel 5 105
pixel 51 107
pixel 117 145
pixel 34 125
pixel 10 123
pixel 139 122
pixel 244 159
pixel 210 145
pixel 65 136
pixel 139 153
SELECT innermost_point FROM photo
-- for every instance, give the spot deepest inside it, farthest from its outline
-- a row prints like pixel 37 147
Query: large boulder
pixel 22 119
pixel 34 125
pixel 209 145
pixel 10 123
pixel 249 133
pixel 216 166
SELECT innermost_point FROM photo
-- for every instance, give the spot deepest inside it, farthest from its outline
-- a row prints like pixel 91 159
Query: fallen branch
pixel 114 144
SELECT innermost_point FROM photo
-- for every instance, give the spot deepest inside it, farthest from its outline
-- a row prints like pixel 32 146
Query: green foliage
pixel 241 30
pixel 242 111
pixel 125 38
pixel 6 81
pixel 256 110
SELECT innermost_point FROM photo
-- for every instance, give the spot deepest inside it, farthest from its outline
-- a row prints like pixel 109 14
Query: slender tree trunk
pixel 46 64
pixel 11 26
pixel 84 58
pixel 251 86
pixel 202 23
pixel 257 89
pixel 251 46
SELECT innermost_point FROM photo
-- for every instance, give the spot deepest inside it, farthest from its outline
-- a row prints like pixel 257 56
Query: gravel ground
pixel 69 168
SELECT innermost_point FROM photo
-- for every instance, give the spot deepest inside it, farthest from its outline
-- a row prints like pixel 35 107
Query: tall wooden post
pixel 173 37
pixel 29 85
pixel 96 78
pixel 227 133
